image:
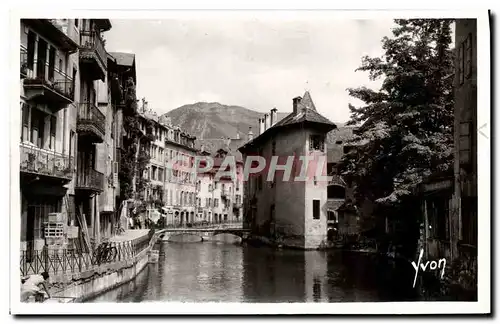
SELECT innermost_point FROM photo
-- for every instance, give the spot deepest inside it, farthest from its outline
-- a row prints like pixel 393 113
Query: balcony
pixel 24 63
pixel 93 55
pixel 46 85
pixel 91 122
pixel 41 162
pixel 89 179
pixel 54 30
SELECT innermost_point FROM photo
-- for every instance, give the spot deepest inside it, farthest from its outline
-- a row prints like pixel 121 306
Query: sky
pixel 255 63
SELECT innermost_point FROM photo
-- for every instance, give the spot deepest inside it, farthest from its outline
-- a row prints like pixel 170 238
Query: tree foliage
pixel 130 163
pixel 406 126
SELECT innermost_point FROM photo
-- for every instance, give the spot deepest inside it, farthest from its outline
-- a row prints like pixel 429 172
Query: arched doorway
pixel 192 217
pixel 216 218
pixel 176 219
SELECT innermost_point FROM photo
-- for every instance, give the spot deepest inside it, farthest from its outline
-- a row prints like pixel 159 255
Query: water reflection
pixel 211 272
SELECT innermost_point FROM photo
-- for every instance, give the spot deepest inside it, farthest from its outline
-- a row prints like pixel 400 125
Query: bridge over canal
pixel 202 234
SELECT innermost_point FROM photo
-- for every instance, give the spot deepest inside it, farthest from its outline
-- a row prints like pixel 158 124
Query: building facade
pixel 220 199
pixel 171 173
pixel 49 55
pixel 465 140
pixel 293 213
pixel 70 134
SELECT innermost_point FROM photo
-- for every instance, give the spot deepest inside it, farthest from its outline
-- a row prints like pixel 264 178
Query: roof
pixel 212 145
pixel 306 113
pixel 125 59
pixel 334 204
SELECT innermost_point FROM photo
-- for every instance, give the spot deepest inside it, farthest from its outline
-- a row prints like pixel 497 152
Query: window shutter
pixel 465 143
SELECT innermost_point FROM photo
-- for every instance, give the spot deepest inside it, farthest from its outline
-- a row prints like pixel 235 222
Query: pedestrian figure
pixel 34 286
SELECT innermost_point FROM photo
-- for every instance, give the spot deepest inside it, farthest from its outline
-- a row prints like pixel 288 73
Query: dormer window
pixel 317 143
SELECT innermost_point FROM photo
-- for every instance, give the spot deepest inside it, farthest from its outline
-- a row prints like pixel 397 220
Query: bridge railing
pixel 229 224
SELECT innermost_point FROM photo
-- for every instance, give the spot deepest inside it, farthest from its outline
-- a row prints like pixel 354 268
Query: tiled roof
pixel 306 112
pixel 212 145
pixel 334 204
pixel 125 59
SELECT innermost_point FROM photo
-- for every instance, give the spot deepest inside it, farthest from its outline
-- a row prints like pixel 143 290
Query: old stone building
pixel 292 213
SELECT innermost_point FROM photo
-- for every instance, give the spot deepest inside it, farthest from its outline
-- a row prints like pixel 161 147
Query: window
pixel 52 62
pixel 31 49
pixel 338 142
pixel 469 220
pixel 25 122
pixel 336 192
pixel 465 141
pixel 317 143
pixel 76 23
pixel 346 149
pixel 53 125
pixel 461 63
pixel 72 145
pixel 61 65
pixel 468 56
pixel 209 202
pixel 216 202
pixel 438 213
pixel 316 213
pixel 37 127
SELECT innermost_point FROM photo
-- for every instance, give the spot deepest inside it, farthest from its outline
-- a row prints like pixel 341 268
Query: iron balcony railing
pixel 47 76
pixel 91 41
pixel 89 114
pixel 91 179
pixel 43 162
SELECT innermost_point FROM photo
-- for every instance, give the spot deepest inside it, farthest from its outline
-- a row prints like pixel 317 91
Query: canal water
pixel 216 272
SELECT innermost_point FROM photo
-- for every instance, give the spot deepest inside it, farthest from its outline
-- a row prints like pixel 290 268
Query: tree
pixel 406 132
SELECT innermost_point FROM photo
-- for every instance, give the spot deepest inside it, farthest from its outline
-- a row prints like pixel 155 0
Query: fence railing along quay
pixel 66 261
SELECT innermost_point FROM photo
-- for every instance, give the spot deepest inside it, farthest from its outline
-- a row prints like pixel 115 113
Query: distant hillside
pixel 215 120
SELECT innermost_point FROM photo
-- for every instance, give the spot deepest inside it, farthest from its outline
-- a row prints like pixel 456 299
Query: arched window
pixel 336 192
pixel 182 198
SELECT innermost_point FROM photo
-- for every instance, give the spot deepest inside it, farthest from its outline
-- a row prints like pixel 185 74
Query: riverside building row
pixel 71 98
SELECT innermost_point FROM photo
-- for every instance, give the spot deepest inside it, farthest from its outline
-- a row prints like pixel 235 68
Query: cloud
pixel 256 63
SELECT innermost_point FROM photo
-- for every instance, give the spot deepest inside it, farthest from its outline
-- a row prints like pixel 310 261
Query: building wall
pixel 65 121
pixel 315 229
pixel 464 220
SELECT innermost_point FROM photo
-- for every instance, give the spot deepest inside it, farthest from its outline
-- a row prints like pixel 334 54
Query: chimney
pixel 228 141
pixel 274 116
pixel 266 122
pixel 296 102
pixel 202 148
pixel 261 126
pixel 250 133
pixel 238 135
